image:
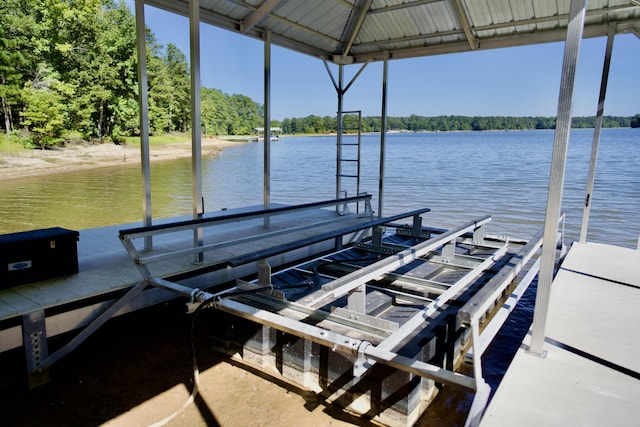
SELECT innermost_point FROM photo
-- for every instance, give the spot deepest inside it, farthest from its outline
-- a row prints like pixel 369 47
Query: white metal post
pixel 596 134
pixel 556 181
pixel 143 92
pixel 196 131
pixel 267 125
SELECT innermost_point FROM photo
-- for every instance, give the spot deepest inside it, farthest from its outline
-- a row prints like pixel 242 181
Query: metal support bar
pixel 133 233
pixel 196 131
pixel 383 134
pixel 147 259
pixel 34 339
pixel 596 134
pixel 345 345
pixel 141 47
pixel 93 326
pixel 267 127
pixel 556 180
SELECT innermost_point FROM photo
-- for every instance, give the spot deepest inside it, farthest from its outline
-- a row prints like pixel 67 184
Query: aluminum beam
pixel 556 180
pixel 266 179
pixel 141 47
pixel 196 131
pixel 596 135
pixel 383 134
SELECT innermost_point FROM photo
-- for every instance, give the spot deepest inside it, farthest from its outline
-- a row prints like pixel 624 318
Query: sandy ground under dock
pixel 136 371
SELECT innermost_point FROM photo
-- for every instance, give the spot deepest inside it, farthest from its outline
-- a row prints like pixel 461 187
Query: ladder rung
pixel 348 143
pixel 349 160
pixel 347 176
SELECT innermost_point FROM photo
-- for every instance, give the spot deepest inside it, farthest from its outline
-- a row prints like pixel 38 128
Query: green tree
pixel 635 121
pixel 21 48
pixel 44 111
pixel 178 74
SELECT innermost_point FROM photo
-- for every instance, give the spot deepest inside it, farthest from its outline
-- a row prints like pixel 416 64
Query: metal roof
pixel 357 31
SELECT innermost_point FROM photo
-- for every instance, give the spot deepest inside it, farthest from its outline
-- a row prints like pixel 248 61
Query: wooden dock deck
pixel 591 373
pixel 106 271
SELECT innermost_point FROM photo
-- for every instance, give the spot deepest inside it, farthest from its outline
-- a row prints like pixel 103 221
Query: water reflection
pixel 460 176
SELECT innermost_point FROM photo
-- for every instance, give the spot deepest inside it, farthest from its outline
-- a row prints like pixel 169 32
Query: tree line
pixel 415 123
pixel 70 68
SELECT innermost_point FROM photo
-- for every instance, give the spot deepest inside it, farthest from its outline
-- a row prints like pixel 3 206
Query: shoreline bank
pixel 90 156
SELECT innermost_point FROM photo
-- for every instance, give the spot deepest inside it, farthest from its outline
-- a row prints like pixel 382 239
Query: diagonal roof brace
pixel 353 26
pixel 255 17
pixel 466 26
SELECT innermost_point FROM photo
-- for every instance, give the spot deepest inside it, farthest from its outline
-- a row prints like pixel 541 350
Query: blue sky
pixel 522 81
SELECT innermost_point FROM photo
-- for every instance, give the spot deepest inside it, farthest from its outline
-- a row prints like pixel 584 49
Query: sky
pixel 521 81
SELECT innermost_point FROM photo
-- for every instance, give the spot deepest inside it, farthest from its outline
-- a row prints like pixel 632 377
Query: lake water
pixel 460 176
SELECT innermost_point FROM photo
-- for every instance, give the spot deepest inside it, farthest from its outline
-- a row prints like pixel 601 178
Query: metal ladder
pixel 348 155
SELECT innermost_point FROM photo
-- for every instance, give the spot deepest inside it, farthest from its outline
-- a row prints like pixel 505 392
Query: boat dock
pixel 590 373
pixel 31 313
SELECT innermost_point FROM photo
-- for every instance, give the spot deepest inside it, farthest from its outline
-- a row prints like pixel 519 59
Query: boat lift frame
pixel 362 352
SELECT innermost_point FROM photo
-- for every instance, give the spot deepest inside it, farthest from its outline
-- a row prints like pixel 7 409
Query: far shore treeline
pixel 69 70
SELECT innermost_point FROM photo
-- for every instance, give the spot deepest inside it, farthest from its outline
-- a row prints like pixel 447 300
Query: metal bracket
pixel 34 337
pixel 478 235
pixel 362 363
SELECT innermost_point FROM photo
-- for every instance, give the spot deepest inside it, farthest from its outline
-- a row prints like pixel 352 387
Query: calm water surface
pixel 460 176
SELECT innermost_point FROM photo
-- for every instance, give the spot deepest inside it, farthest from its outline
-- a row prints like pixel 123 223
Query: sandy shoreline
pixel 90 156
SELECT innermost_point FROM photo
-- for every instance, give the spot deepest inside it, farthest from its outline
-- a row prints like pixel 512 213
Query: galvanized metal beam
pixel 266 178
pixel 143 94
pixel 596 134
pixel 466 26
pixel 556 180
pixel 352 28
pixel 255 17
pixel 196 131
pixel 383 134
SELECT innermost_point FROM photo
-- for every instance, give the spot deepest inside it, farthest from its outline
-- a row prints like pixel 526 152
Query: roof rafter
pixel 466 26
pixel 402 6
pixel 354 24
pixel 258 15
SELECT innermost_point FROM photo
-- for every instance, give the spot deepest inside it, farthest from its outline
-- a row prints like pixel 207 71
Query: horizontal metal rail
pixel 219 245
pixel 337 342
pixel 277 250
pixel 133 233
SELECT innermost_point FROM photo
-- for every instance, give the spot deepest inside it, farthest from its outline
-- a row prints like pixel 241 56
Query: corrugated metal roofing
pixel 355 31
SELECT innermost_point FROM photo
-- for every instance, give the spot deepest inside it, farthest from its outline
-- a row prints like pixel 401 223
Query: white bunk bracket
pixel 34 338
pixel 448 251
pixel 478 235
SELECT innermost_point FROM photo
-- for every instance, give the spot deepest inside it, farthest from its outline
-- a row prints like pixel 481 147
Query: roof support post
pixel 143 104
pixel 339 130
pixel 556 181
pixel 596 134
pixel 196 132
pixel 383 134
pixel 267 126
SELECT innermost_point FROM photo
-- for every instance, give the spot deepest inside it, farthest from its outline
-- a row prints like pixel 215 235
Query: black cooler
pixel 31 256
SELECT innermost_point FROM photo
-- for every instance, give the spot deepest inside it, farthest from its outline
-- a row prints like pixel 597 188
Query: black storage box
pixel 31 256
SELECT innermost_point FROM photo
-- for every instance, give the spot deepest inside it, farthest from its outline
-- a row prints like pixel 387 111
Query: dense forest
pixel 69 68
